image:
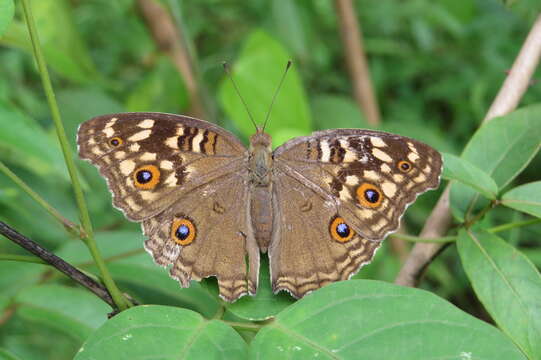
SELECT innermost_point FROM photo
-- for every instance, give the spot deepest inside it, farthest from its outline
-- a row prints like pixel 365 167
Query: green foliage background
pixel 436 67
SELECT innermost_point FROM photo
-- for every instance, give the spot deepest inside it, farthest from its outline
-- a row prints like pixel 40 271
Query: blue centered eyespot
pixel 342 230
pixel 144 176
pixel 371 196
pixel 182 232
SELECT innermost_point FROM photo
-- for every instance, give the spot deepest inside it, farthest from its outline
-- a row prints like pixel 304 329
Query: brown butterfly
pixel 320 205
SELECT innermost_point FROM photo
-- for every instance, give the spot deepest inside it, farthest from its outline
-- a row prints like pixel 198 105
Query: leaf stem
pixel 120 301
pixel 70 226
pixel 411 238
pixel 243 326
pixel 513 225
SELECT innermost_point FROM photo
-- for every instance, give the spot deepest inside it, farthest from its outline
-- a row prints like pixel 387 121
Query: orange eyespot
pixel 183 231
pixel 404 166
pixel 116 141
pixel 340 231
pixel 369 195
pixel 146 177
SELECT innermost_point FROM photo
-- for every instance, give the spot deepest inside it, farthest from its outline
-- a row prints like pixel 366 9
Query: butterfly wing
pixel 350 182
pixel 177 175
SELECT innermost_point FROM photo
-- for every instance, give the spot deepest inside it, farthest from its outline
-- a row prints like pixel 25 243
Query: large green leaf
pixel 74 311
pixel 7 10
pixel 508 285
pixel 502 148
pixel 162 332
pixel 365 319
pixel 257 71
pixel 468 174
pixel 24 142
pixel 134 269
pixel 526 198
pixel 332 111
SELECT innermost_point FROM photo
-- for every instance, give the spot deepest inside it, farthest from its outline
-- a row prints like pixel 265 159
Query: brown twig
pixel 57 262
pixel 170 40
pixel 506 101
pixel 350 31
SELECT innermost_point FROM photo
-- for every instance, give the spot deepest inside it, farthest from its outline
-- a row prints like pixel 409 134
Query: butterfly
pixel 319 205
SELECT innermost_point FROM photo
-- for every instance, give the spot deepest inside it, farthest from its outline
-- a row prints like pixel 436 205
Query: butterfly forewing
pixel 186 180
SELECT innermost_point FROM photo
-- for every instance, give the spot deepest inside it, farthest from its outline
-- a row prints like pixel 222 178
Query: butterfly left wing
pixel 353 187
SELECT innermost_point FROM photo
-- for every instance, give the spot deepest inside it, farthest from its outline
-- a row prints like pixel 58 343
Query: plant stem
pixel 513 225
pixel 120 301
pixel 70 226
pixel 444 239
pixel 411 238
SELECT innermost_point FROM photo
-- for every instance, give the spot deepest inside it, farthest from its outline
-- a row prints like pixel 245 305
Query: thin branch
pixel 57 262
pixel 169 39
pixel 352 42
pixel 121 302
pixel 506 101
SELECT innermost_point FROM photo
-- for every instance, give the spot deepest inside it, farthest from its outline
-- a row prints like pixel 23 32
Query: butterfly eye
pixel 146 177
pixel 183 231
pixel 404 166
pixel 116 141
pixel 340 231
pixel 369 195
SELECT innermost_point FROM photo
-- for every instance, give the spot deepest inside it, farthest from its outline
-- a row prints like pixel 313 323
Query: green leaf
pixel 6 355
pixel 334 112
pixel 161 332
pixel 74 311
pixel 257 72
pixel 7 10
pixel 265 304
pixel 134 269
pixel 365 319
pixel 469 174
pixel 508 285
pixel 526 198
pixel 24 142
pixel 161 90
pixel 63 47
pixel 502 148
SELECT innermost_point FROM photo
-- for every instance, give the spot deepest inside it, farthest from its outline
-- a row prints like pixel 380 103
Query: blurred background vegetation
pixel 435 67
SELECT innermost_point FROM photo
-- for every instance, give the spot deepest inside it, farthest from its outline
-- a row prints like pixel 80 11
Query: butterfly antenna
pixel 288 65
pixel 228 72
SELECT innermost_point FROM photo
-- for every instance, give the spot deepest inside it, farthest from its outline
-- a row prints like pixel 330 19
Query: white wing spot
pixel 141 135
pixel 325 151
pixel 135 147
pixel 120 155
pixel 127 166
pixel 381 155
pixel 377 141
pixel 371 175
pixel 148 156
pixel 108 131
pixel 146 124
pixel 389 189
pixel 413 157
pixel 172 142
pixel 166 165
pixel 385 168
pixel 196 143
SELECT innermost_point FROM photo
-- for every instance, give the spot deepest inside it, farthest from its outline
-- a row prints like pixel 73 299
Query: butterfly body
pixel 319 205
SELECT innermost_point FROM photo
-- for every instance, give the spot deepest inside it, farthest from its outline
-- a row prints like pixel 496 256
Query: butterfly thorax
pixel 260 159
pixel 260 163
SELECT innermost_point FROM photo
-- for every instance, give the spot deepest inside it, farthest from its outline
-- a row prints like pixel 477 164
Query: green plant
pixel 105 61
